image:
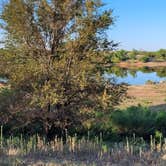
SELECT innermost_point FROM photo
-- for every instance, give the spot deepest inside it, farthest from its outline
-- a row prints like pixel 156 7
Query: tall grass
pixel 35 150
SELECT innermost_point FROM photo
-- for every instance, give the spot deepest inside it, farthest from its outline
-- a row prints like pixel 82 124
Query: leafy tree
pixel 117 56
pixel 53 61
pixel 161 55
pixel 135 52
pixel 144 59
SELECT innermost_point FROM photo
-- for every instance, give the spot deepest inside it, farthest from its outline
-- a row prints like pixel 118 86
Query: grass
pixel 36 151
pixel 152 96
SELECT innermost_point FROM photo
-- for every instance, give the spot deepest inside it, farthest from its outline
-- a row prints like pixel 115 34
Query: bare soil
pixel 150 95
pixel 2 85
pixel 138 64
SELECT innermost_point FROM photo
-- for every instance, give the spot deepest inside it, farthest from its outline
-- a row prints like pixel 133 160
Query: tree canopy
pixel 53 61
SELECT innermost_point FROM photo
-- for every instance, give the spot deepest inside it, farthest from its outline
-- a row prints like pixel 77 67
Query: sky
pixel 140 24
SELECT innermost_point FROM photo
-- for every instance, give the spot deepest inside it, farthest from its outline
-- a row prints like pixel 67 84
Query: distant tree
pixel 145 59
pixel 135 52
pixel 117 56
pixel 53 62
pixel 161 54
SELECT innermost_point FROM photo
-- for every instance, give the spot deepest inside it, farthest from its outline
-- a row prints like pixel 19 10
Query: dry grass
pixel 2 85
pixel 82 152
pixel 153 96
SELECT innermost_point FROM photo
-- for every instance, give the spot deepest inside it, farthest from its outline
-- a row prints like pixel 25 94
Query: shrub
pixel 117 56
pixel 138 120
pixel 145 59
pixel 161 122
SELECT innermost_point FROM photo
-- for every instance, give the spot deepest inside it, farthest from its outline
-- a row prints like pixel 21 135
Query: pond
pixel 130 76
pixel 136 76
pixel 3 80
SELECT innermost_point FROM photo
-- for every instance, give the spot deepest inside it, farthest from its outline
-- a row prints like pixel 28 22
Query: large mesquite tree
pixel 53 62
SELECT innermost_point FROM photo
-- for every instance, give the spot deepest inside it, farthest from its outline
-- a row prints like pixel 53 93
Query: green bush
pixel 117 56
pixel 138 120
pixel 145 59
pixel 161 122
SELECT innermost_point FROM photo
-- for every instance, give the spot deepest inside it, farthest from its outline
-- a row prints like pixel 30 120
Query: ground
pixel 137 64
pixel 1 85
pixel 150 95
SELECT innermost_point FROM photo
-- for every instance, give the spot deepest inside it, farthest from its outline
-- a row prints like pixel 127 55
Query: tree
pixel 53 61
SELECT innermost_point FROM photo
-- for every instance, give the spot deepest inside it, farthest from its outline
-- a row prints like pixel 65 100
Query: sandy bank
pixel 153 96
pixel 129 64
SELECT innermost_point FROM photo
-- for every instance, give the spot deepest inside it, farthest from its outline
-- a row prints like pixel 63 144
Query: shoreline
pixel 139 64
pixel 149 95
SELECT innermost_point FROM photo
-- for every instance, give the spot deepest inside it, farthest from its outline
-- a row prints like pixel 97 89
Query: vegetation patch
pixel 139 120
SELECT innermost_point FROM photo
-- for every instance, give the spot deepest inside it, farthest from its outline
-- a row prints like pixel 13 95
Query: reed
pixel 84 151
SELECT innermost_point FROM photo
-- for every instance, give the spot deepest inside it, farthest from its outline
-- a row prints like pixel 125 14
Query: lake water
pixel 137 77
pixel 131 77
pixel 3 80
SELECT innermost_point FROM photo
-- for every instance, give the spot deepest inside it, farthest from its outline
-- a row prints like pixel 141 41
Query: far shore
pixel 150 95
pixel 138 64
pixel 2 85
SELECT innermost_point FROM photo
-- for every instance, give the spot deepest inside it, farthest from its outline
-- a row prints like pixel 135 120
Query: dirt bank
pixel 153 96
pixel 137 64
pixel 2 85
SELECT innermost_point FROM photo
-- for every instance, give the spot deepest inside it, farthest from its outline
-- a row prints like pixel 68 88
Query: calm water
pixel 3 80
pixel 137 77
pixel 132 77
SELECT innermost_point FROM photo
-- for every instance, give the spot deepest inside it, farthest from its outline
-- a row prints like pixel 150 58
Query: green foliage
pixel 132 56
pixel 157 56
pixel 161 55
pixel 54 53
pixel 158 135
pixel 117 56
pixel 161 121
pixel 144 56
pixel 145 59
pixel 139 120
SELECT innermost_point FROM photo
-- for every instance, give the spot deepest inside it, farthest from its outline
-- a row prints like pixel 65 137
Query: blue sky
pixel 140 24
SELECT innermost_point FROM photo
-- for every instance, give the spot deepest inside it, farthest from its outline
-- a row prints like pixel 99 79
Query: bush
pixel 138 120
pixel 117 56
pixel 161 122
pixel 145 59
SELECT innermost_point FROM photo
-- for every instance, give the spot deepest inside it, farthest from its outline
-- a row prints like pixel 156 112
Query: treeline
pixel 144 56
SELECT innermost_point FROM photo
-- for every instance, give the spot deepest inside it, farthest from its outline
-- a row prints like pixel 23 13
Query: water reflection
pixel 3 80
pixel 136 76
